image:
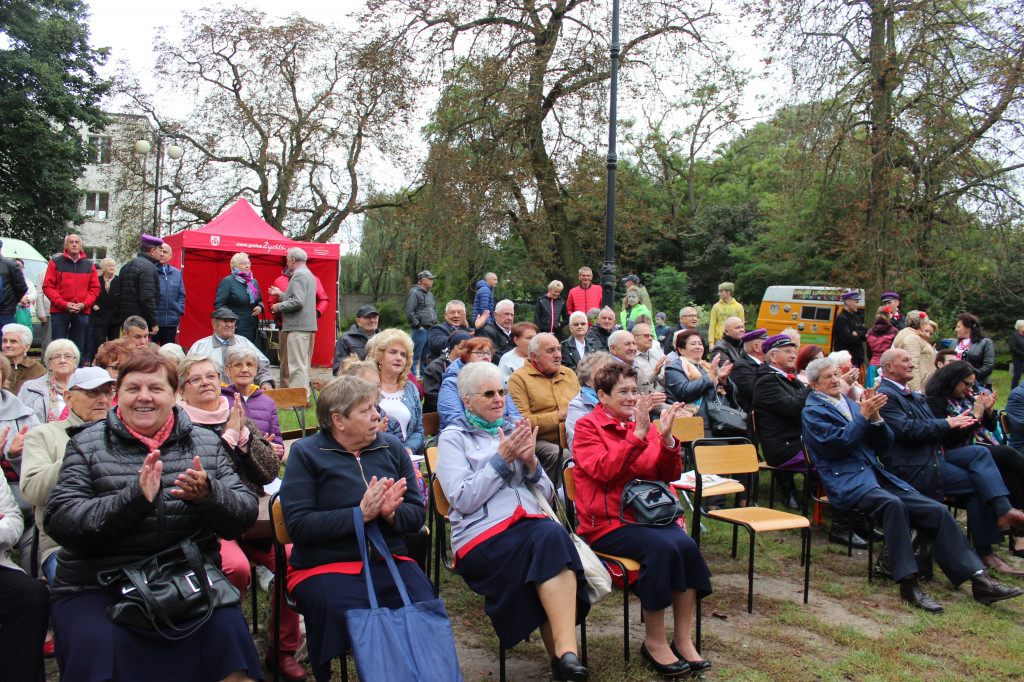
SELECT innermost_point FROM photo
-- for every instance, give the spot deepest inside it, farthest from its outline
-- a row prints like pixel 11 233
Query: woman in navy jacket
pixel 347 464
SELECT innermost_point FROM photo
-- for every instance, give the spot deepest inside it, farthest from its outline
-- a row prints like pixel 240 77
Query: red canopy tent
pixel 204 254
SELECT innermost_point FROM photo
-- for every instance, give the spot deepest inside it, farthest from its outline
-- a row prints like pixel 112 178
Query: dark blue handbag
pixel 411 643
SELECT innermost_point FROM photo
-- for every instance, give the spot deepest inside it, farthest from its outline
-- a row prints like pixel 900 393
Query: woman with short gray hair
pixel 347 466
pixel 523 564
pixel 584 403
pixel 239 292
pixel 45 395
pixel 550 314
pixel 241 363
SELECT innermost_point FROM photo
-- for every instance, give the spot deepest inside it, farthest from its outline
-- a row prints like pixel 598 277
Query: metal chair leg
pixel 750 572
pixel 807 566
pixel 501 663
pixel 583 640
pixel 253 586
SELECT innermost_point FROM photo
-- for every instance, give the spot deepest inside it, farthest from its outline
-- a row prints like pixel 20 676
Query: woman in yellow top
pixel 726 307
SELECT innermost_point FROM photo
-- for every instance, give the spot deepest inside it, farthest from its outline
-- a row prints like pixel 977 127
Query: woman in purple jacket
pixel 240 364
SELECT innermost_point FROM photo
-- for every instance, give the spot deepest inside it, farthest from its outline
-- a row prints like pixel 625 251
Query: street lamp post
pixel 608 269
pixel 143 146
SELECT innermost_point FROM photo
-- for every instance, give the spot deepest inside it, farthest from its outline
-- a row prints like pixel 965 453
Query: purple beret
pixel 890 296
pixel 849 294
pixel 149 241
pixel 777 341
pixel 756 334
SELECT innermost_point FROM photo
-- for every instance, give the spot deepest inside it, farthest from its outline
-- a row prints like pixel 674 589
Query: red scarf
pixel 158 438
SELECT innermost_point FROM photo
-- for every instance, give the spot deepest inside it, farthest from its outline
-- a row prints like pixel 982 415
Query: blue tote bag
pixel 411 643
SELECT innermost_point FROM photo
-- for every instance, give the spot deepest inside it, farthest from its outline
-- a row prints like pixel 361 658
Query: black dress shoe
pixel 568 669
pixel 912 593
pixel 695 666
pixel 842 537
pixel 987 591
pixel 677 669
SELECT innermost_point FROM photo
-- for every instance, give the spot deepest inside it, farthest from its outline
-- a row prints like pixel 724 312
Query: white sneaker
pixel 265 576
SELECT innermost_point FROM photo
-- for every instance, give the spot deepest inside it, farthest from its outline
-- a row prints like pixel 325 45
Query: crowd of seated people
pixel 112 463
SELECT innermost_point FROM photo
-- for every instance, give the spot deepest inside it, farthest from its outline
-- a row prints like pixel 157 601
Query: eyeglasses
pixel 481 353
pixel 94 393
pixel 211 378
pixel 578 324
pixel 62 356
pixel 489 395
pixel 243 365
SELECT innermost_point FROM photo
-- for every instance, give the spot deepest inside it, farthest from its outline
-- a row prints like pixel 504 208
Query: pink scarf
pixel 215 418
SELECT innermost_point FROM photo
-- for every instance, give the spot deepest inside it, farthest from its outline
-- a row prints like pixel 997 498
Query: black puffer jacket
pixel 100 517
pixel 139 289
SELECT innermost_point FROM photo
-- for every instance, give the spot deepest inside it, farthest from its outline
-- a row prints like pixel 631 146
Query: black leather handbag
pixel 726 420
pixel 173 592
pixel 652 502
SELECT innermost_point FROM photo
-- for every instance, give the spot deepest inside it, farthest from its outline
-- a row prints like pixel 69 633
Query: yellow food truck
pixel 810 310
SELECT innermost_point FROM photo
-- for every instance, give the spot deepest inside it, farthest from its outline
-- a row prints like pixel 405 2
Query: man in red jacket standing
pixel 586 295
pixel 72 285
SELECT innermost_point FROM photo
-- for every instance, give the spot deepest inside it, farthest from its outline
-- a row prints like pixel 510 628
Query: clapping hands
pixel 520 444
pixel 382 498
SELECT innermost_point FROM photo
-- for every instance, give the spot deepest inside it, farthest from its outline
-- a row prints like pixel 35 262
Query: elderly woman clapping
pixel 132 485
pixel 241 364
pixel 525 566
pixel 45 395
pixel 349 464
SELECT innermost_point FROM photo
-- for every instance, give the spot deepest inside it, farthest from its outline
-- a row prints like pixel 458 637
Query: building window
pixel 97 204
pixel 99 149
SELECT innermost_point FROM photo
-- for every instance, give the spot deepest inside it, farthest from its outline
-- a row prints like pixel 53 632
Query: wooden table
pixel 262 528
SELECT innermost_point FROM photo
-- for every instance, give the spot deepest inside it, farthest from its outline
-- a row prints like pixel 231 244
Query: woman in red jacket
pixel 613 445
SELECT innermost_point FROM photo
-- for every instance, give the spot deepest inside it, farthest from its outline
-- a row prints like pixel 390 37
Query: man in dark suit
pixel 844 439
pixel 966 473
pixel 499 328
pixel 688 317
pixel 849 331
pixel 743 369
pixel 777 401
pixel 454 320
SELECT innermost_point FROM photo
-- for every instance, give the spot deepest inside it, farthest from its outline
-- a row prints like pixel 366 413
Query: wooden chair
pixel 442 507
pixel 726 456
pixel 431 426
pixel 1004 424
pixel 624 564
pixel 294 398
pixel 281 594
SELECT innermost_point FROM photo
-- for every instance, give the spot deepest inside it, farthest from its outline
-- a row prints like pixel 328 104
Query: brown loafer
pixel 1010 519
pixel 993 562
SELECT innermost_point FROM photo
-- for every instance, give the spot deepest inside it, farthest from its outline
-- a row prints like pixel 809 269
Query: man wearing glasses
pixel 89 395
pixel 223 337
pixel 688 317
pixel 542 390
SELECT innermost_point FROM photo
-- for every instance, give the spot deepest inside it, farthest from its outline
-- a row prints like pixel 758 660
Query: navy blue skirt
pixel 669 559
pixel 506 569
pixel 324 599
pixel 91 648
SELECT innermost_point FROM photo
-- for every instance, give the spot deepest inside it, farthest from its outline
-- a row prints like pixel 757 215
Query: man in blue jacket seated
pixel 967 473
pixel 844 440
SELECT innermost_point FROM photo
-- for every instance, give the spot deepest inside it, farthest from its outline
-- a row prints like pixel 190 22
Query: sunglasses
pixel 489 395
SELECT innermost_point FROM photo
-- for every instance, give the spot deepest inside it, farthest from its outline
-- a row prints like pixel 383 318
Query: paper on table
pixel 689 480
pixel 272 487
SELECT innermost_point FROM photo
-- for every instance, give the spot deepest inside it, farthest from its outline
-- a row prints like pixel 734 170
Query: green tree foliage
pixel 285 113
pixel 48 87
pixel 526 94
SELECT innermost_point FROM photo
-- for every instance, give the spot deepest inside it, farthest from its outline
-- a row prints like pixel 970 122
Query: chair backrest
pixel 753 423
pixel 286 398
pixel 277 521
pixel 725 459
pixel 569 484
pixel 687 429
pixel 563 439
pixel 431 424
pixel 432 459
pixel 440 501
pixel 1004 421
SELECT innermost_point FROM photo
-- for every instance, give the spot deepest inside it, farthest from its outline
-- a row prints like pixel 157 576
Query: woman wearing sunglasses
pixel 449 404
pixel 523 563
